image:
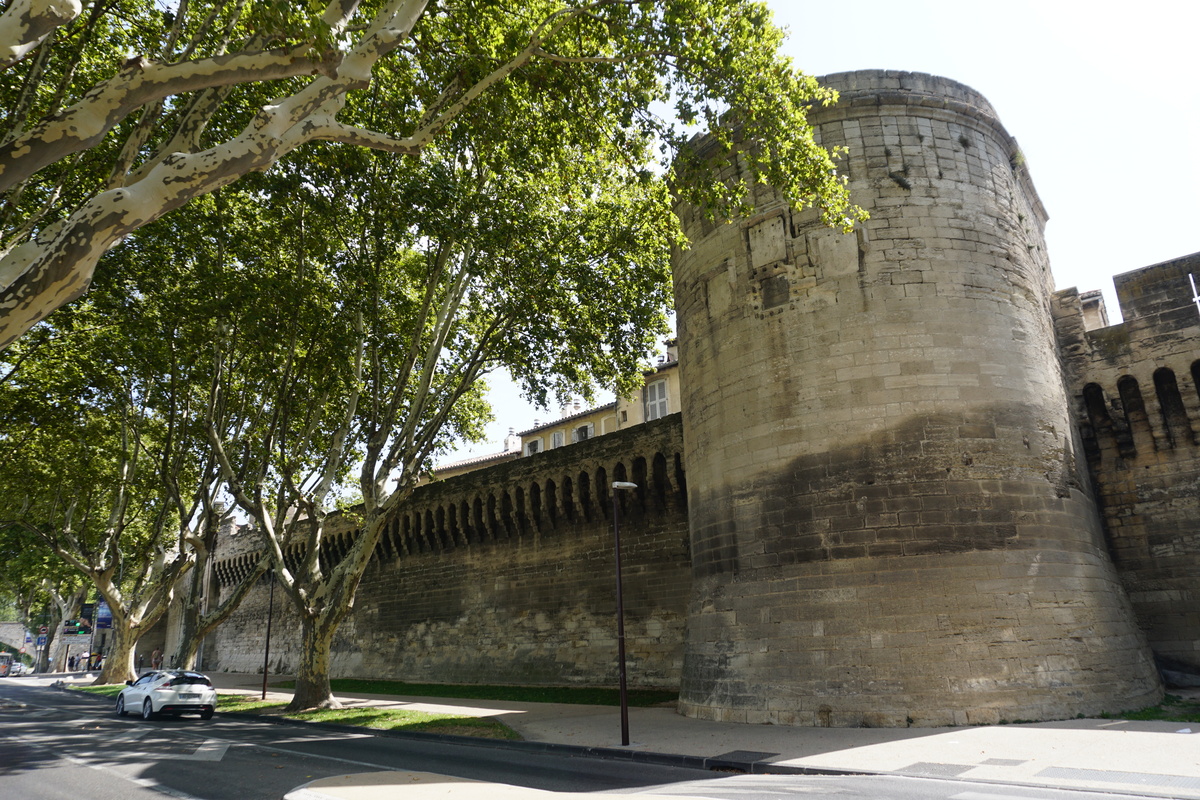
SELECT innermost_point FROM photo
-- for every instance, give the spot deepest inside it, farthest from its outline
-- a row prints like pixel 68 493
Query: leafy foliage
pixel 222 90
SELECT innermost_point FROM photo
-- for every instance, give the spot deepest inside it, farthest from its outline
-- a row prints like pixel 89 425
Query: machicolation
pixel 911 483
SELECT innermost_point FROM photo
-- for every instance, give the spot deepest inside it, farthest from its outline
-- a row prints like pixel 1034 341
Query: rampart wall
pixel 506 575
pixel 890 522
pixel 921 492
pixel 1135 389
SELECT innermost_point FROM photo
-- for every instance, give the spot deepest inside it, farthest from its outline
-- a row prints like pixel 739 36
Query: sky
pixel 1102 98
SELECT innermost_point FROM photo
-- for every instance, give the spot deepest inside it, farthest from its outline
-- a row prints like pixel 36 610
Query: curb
pixel 553 748
pixel 703 763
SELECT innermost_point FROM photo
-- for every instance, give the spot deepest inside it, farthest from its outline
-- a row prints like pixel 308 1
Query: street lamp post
pixel 267 648
pixel 617 486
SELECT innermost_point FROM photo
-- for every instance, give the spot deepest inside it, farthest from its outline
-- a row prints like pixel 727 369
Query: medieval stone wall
pixel 506 575
pixel 890 517
pixel 1135 388
pixel 889 522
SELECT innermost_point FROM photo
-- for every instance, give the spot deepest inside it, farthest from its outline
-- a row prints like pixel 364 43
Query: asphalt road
pixel 56 744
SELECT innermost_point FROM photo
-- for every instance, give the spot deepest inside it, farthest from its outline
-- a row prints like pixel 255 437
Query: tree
pixel 80 449
pixel 397 306
pixel 44 589
pixel 100 144
pixel 167 291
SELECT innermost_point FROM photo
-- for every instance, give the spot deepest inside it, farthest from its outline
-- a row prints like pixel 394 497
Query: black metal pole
pixel 267 649
pixel 620 623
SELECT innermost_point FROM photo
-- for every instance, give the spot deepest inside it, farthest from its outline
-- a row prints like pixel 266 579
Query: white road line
pixel 145 783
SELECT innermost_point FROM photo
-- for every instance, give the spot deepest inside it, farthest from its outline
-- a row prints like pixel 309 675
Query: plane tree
pixel 44 590
pixel 426 277
pixel 122 111
pixel 83 447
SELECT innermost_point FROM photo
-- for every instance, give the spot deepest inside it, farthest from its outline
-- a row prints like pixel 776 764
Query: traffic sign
pixel 43 629
pixel 41 642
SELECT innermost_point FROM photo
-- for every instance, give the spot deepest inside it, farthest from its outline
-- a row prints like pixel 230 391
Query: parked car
pixel 170 691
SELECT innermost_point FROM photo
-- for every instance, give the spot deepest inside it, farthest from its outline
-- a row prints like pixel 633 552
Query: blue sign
pixel 103 615
pixel 41 642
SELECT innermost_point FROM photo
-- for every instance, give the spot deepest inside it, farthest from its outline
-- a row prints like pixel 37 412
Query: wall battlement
pixel 1135 393
pixel 911 484
pixel 517 561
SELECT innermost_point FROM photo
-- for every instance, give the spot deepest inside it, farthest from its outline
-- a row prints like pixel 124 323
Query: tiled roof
pixel 474 460
pixel 563 420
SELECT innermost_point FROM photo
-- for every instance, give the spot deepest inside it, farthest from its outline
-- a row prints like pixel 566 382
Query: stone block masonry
pixel 922 488
pixel 1135 389
pixel 918 544
pixel 506 576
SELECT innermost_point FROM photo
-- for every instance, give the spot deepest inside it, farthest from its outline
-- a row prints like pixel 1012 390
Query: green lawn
pixel 522 694
pixel 367 716
pixel 1172 709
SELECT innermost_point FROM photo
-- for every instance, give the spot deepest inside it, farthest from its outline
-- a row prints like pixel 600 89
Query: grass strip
pixel 1173 708
pixel 374 717
pixel 521 694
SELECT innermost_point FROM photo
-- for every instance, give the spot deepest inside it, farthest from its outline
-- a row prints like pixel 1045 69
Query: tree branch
pixel 87 122
pixel 26 23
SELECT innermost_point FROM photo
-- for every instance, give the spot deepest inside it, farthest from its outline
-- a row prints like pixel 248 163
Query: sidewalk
pixel 1148 758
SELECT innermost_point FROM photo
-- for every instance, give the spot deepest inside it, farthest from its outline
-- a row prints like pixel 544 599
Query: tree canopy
pixel 121 112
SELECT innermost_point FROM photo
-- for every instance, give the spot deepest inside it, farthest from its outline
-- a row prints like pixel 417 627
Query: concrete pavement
pixel 1147 758
pixel 1150 758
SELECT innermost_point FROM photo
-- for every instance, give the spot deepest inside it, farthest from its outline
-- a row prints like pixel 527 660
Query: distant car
pixel 170 691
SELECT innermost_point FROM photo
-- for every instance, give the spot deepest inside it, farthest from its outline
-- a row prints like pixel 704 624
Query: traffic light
pixel 73 627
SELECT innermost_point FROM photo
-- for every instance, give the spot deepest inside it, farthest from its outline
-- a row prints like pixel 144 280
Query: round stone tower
pixel 889 520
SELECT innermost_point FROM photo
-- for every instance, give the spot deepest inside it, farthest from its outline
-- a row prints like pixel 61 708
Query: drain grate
pixel 935 770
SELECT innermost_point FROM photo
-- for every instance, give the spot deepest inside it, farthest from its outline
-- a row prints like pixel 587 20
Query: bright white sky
pixel 1103 99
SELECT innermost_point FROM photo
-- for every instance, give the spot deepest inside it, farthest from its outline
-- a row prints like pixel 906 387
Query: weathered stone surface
pixel 898 426
pixel 888 517
pixel 1134 389
pixel 506 575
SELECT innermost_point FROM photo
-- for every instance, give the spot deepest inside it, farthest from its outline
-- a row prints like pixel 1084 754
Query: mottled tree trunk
pixel 189 643
pixel 118 662
pixel 312 679
pixel 53 638
pixel 189 624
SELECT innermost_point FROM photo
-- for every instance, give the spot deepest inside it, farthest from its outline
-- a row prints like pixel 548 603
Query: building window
pixel 583 432
pixel 533 446
pixel 558 439
pixel 656 400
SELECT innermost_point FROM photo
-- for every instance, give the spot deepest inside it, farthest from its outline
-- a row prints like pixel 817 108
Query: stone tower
pixel 889 523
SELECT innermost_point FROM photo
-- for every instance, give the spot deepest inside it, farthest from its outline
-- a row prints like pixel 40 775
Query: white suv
pixel 172 691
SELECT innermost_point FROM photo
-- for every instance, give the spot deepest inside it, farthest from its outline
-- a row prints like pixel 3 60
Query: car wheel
pixel 206 713
pixel 121 706
pixel 147 709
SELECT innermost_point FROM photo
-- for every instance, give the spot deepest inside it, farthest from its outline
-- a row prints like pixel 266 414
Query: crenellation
pixel 911 485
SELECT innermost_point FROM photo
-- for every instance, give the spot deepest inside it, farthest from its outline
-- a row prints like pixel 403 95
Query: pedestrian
pixel 141 662
pixel 156 659
pixel 71 663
